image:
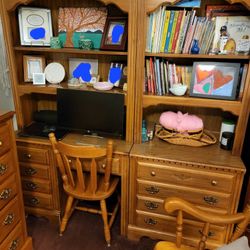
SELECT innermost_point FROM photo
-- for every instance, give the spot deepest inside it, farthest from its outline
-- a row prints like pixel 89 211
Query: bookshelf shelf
pixel 199 56
pixel 232 106
pixel 69 51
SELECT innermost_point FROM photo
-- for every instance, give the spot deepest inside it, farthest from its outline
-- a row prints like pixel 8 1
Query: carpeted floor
pixel 84 232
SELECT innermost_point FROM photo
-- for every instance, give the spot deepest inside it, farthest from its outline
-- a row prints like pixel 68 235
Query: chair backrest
pixel 173 204
pixel 75 162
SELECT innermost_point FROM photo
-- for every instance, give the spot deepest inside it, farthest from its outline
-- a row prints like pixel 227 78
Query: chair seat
pixel 165 245
pixel 100 194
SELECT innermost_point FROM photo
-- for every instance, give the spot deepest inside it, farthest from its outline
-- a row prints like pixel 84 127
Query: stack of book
pixel 161 75
pixel 174 31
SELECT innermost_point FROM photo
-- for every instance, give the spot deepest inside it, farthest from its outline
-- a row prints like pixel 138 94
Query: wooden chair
pixel 173 204
pixel 81 181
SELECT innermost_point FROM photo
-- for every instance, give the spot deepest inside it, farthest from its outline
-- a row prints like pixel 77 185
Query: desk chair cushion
pixel 239 244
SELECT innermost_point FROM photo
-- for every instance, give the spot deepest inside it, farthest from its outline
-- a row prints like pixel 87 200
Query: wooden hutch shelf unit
pixel 37 165
pixel 209 176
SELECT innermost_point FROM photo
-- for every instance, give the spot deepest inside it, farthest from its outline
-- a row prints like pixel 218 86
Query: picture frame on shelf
pixel 35 26
pixel 31 65
pixel 217 80
pixel 83 69
pixel 115 34
pixel 117 74
pixel 39 79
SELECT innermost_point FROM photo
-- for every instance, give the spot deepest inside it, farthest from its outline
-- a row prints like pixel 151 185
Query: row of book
pixel 161 75
pixel 174 31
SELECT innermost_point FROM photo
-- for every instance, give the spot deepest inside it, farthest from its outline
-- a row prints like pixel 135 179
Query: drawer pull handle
pixel 153 173
pixel 14 244
pixel 210 200
pixel 28 156
pixel 103 165
pixel 30 171
pixel 31 185
pixel 8 219
pixel 34 201
pixel 214 183
pixel 151 205
pixel 1 143
pixel 152 190
pixel 210 234
pixel 3 168
pixel 5 194
pixel 150 221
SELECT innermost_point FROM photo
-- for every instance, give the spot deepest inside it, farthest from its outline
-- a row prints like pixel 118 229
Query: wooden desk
pixel 40 179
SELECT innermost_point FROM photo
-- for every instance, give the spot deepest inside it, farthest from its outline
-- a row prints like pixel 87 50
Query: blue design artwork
pixel 83 71
pixel 37 33
pixel 115 75
pixel 117 32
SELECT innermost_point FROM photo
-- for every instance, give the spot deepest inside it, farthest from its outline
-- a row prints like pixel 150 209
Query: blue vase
pixel 195 48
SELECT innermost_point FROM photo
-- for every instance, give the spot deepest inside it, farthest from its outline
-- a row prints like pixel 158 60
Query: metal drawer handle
pixel 103 165
pixel 210 234
pixel 3 168
pixel 214 183
pixel 150 221
pixel 8 219
pixel 210 200
pixel 30 171
pixel 153 173
pixel 34 201
pixel 152 190
pixel 28 156
pixel 150 205
pixel 31 185
pixel 14 244
pixel 5 194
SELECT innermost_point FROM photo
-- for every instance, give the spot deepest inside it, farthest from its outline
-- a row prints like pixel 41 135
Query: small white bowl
pixel 178 89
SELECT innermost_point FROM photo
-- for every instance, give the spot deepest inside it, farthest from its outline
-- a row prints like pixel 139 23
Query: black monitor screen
pixel 90 112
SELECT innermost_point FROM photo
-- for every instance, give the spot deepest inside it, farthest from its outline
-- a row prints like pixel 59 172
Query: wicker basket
pixel 194 139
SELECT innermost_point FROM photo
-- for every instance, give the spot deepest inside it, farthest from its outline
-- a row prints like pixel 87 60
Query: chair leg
pixel 67 213
pixel 105 221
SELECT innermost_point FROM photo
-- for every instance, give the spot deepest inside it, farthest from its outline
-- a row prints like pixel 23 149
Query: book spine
pixel 153 87
pixel 177 30
pixel 169 31
pixel 166 77
pixel 184 33
pixel 173 31
pixel 165 30
pixel 180 32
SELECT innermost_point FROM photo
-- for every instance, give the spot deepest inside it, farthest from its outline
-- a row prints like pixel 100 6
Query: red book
pixel 177 30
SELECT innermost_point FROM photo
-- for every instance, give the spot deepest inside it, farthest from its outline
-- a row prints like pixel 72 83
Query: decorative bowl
pixel 178 89
pixel 103 85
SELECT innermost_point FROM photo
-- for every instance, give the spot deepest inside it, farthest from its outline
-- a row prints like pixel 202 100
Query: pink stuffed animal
pixel 180 122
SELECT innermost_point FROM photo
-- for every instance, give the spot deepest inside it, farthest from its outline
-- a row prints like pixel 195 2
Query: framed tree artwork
pixel 115 33
pixel 75 24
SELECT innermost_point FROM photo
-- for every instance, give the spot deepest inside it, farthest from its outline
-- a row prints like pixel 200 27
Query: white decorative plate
pixel 54 73
pixel 103 85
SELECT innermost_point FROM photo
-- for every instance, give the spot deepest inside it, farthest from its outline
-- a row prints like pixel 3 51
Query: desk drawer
pixel 8 190
pixel 37 185
pixel 15 239
pixel 34 170
pixel 6 165
pixel 4 138
pixel 195 196
pixel 9 217
pixel 34 155
pixel 34 199
pixel 187 177
pixel 167 224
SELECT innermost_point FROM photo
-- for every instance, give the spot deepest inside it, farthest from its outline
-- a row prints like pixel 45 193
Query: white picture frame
pixel 75 62
pixel 35 26
pixel 39 79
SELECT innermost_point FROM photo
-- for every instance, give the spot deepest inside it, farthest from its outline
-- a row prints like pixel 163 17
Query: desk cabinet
pixel 211 187
pixel 13 234
pixel 39 178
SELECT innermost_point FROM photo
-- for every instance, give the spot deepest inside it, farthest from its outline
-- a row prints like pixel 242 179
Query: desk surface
pixel 120 146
